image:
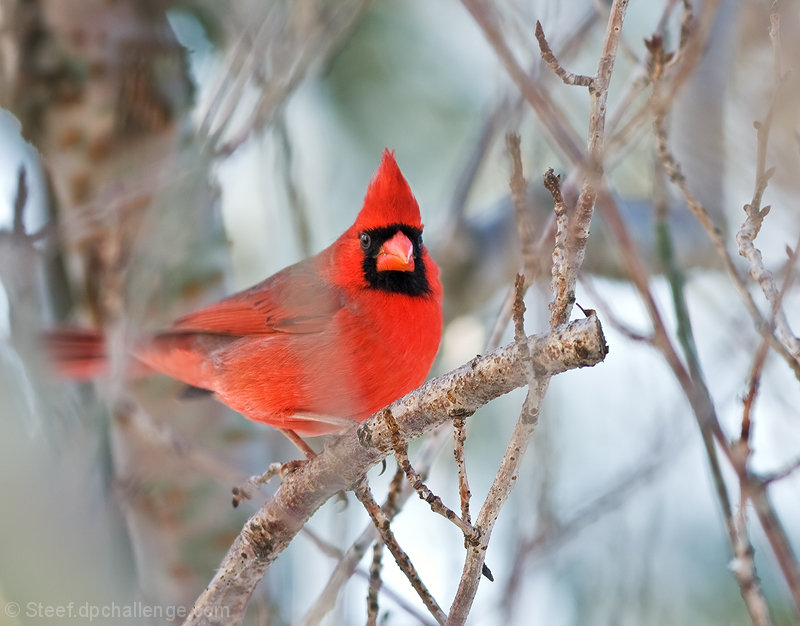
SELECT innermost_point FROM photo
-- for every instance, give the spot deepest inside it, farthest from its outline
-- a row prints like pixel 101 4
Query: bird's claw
pixel 290 467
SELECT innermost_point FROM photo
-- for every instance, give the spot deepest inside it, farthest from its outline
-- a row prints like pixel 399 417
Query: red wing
pixel 295 300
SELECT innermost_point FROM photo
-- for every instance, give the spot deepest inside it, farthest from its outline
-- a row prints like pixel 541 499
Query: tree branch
pixel 381 522
pixel 553 63
pixel 345 460
pixel 398 493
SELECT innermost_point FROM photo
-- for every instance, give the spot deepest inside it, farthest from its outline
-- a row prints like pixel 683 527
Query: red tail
pixel 77 353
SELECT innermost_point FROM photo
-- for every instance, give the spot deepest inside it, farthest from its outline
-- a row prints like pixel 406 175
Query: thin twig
pixel 530 246
pixel 508 107
pixel 245 490
pixel 135 421
pixel 714 233
pixel 778 540
pixel 504 314
pixel 693 43
pixel 291 46
pixel 20 200
pixel 552 62
pixel 529 416
pixel 759 360
pixel 398 493
pixel 611 318
pixel 753 489
pixel 459 436
pixel 739 454
pixel 552 117
pixel 240 65
pixel 560 268
pixel 749 230
pixel 559 531
pixel 400 447
pixel 744 566
pixel 298 210
pixel 418 615
pixel 580 221
pixel 675 278
pixel 518 313
pixel 501 487
pixel 328 549
pixel 381 522
pixel 577 237
pixel 323 545
pixel 526 229
pixel 753 385
pixel 375 583
pixel 702 407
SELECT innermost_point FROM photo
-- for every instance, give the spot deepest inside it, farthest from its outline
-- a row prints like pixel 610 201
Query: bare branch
pixel 519 201
pixel 518 314
pixel 704 411
pixel 20 200
pixel 752 391
pixel 554 121
pixel 274 58
pixel 744 565
pixel 673 169
pixel 778 540
pixel 381 522
pixel 342 464
pixel 400 448
pixel 552 62
pixel 245 490
pixel 611 317
pixel 584 208
pixel 459 436
pixel 531 246
pixel 749 230
pixel 558 531
pixel 498 494
pixel 577 237
pixel 744 569
pixel 578 232
pixel 375 583
pixel 560 268
pixel 398 494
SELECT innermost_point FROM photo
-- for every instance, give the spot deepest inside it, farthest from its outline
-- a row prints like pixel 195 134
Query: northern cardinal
pixel 316 346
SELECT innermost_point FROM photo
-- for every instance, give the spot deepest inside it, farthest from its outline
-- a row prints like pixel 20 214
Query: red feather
pixel 311 348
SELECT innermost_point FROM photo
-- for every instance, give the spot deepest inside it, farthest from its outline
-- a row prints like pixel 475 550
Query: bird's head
pixel 387 235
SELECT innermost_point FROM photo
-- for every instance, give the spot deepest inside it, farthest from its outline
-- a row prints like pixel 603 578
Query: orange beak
pixel 396 255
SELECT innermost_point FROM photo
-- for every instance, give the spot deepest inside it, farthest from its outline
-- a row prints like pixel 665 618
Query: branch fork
pixel 345 460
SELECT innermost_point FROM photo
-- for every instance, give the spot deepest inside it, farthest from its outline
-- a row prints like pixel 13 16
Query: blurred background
pixel 158 155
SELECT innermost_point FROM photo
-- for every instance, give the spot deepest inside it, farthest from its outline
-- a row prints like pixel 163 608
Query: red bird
pixel 321 343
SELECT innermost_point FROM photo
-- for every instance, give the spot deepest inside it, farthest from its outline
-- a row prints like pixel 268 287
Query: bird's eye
pixel 419 240
pixel 365 241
